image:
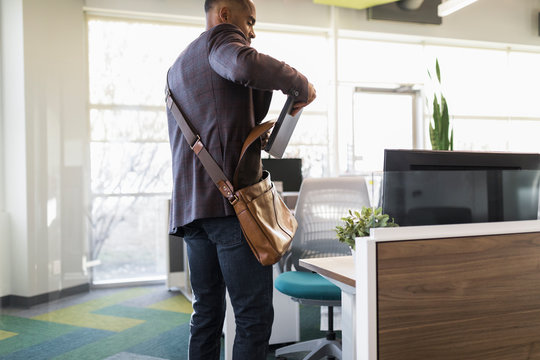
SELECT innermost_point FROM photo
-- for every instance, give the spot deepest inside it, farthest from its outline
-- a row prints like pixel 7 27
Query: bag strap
pixel 194 140
pixel 253 135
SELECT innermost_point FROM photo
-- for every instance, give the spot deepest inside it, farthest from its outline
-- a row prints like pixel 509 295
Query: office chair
pixel 321 205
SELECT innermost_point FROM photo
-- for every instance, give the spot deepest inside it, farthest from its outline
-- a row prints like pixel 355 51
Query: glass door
pixel 383 119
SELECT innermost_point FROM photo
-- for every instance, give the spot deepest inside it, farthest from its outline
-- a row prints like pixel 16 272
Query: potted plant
pixel 439 128
pixel 357 224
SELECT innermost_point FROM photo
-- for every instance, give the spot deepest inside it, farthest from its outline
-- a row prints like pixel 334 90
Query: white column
pixel 15 201
pixel 44 139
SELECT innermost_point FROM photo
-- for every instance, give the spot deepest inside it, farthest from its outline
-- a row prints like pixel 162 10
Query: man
pixel 223 87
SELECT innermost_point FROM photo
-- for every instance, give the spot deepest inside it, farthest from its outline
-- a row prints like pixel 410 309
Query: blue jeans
pixel 220 257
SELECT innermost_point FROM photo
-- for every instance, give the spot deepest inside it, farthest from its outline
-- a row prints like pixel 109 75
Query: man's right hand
pixel 312 94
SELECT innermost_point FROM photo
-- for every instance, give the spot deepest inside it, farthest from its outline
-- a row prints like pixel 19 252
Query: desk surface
pixel 340 268
pixel 455 230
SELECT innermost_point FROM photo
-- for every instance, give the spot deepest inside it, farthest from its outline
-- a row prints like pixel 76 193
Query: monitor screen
pixel 450 187
pixel 288 171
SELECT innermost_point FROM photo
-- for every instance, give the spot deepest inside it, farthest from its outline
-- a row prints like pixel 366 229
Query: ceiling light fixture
pixel 450 6
pixel 410 4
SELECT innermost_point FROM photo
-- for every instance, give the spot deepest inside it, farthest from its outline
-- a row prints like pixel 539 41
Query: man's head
pixel 238 12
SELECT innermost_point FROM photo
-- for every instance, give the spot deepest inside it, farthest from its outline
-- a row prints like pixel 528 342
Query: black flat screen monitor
pixel 422 187
pixel 288 171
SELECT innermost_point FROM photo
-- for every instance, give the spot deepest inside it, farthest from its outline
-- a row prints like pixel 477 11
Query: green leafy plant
pixel 357 224
pixel 438 129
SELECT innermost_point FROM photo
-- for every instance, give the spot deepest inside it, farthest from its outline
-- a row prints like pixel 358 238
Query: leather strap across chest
pixel 219 178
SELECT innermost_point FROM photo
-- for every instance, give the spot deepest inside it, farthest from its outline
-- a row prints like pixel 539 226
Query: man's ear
pixel 224 14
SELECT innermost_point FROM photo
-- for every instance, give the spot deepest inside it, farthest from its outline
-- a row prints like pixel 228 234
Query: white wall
pixel 14 245
pixel 57 141
pixel 2 171
pixel 46 151
pixel 5 255
pixel 5 246
pixel 5 264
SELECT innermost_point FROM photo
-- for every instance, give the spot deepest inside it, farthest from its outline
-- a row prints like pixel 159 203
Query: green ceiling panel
pixel 354 4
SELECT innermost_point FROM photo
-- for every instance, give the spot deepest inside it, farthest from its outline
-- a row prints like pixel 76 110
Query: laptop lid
pixel 283 129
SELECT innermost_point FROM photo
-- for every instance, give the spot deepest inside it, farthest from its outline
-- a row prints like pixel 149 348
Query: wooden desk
pixel 340 271
pixel 340 268
pixel 447 292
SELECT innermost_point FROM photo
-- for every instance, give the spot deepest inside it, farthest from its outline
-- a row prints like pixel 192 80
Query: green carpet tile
pixel 143 323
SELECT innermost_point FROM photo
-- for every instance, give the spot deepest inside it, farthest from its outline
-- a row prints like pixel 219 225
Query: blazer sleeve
pixel 232 57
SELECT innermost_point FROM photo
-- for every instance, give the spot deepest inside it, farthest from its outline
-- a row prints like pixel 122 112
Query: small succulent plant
pixel 357 224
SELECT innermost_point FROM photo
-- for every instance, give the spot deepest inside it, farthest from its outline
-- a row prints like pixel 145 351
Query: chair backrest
pixel 321 204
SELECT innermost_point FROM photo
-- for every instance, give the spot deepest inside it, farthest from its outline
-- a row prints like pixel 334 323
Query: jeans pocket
pixel 224 231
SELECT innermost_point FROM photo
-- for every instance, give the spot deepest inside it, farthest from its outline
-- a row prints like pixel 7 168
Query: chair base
pixel 317 349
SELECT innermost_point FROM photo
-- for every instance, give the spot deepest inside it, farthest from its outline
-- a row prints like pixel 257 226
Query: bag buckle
pixel 234 200
pixel 168 98
pixel 198 139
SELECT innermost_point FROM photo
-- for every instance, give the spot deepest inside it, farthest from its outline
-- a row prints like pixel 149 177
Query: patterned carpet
pixel 140 323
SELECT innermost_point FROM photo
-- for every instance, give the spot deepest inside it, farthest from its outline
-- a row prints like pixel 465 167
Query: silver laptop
pixel 283 129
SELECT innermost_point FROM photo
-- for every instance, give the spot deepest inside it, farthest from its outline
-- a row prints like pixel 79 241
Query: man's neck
pixel 212 19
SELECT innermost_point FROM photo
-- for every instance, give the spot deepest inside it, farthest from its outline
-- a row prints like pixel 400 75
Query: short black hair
pixel 208 4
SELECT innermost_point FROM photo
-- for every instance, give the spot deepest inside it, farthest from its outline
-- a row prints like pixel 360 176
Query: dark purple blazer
pixel 224 87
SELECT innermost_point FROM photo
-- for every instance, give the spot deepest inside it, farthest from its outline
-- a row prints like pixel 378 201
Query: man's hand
pixel 264 139
pixel 312 94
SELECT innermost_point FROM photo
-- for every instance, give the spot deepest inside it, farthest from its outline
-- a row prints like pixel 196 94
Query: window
pixel 310 140
pixel 524 77
pixel 377 100
pixel 381 120
pixel 490 93
pixel 130 154
pixel 491 97
pixel 474 80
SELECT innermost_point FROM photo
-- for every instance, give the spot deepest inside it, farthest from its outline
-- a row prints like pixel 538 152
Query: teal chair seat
pixel 307 285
